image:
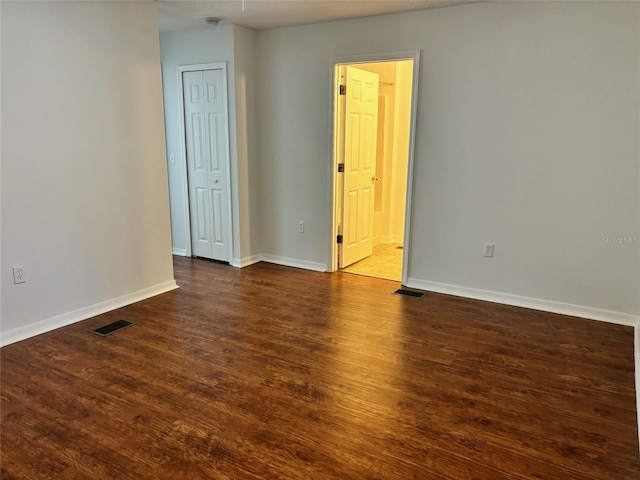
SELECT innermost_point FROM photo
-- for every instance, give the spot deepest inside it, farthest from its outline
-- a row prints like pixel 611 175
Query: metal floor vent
pixel 112 327
pixel 409 293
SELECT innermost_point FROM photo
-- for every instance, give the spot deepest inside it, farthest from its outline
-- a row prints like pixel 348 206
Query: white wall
pixel 84 184
pixel 527 137
pixel 246 100
pixel 235 46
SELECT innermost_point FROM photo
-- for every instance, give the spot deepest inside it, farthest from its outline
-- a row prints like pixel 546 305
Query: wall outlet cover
pixel 18 274
pixel 488 250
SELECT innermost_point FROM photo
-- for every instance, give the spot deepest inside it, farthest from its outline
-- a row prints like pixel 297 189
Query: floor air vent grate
pixel 112 327
pixel 409 293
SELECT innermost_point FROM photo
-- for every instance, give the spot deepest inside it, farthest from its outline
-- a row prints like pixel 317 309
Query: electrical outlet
pixel 488 249
pixel 300 226
pixel 18 274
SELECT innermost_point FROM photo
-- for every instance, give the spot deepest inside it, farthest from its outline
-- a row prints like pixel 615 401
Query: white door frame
pixel 183 149
pixel 373 58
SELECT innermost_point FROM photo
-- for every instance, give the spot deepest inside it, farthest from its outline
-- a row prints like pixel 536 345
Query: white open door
pixel 360 137
pixel 207 148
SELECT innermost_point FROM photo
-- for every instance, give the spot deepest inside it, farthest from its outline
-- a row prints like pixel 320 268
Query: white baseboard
pixel 180 252
pixel 392 239
pixel 246 261
pixel 43 326
pixel 278 260
pixel 294 262
pixel 636 349
pixel 591 313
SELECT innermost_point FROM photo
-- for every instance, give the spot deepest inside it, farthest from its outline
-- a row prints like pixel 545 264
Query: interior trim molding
pixel 62 320
pixel 180 252
pixel 393 239
pixel 636 349
pixel 591 313
pixel 246 261
pixel 294 262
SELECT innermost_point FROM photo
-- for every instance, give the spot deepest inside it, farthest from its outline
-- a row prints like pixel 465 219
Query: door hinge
pixel 339 239
pixel 341 167
pixel 343 89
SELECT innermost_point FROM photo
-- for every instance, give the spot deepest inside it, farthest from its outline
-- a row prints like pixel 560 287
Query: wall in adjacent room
pixel 401 134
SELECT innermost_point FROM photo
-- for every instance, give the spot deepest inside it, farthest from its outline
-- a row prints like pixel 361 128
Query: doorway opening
pixel 374 124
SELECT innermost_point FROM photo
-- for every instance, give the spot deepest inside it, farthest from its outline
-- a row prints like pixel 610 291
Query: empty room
pixel 263 239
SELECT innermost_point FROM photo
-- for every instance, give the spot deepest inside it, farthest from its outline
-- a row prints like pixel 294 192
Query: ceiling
pixel 264 14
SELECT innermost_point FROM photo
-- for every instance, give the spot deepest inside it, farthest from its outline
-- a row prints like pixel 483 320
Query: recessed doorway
pixel 373 158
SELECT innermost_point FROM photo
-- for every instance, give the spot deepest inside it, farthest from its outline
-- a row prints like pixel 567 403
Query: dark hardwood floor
pixel 272 372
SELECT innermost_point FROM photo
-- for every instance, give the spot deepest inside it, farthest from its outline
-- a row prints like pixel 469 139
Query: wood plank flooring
pixel 272 372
